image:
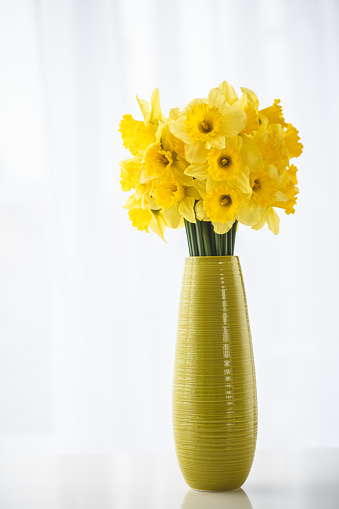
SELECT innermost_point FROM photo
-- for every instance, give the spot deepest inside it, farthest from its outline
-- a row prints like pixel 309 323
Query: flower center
pixel 225 200
pixel 203 122
pixel 224 161
pixel 205 127
pixel 173 189
pixel 163 159
pixel 257 185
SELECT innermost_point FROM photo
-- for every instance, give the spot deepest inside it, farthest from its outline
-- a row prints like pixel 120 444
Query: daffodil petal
pixel 192 192
pixel 178 129
pixel 273 220
pixel 217 142
pixel 249 213
pixel 251 155
pixel 196 152
pixel 281 196
pixel 235 121
pixel 190 105
pixel 157 224
pixel 198 171
pixel 182 178
pixel 252 95
pixel 200 186
pixel 186 208
pixel 228 92
pixel 241 181
pixel 172 216
pixel 144 107
pixel 200 212
pixel 260 224
pixel 216 98
pixel 222 228
pixel 155 103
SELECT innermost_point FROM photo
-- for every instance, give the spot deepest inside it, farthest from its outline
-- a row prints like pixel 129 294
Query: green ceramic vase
pixel 214 396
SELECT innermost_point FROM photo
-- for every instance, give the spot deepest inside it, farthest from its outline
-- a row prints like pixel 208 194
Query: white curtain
pixel 88 305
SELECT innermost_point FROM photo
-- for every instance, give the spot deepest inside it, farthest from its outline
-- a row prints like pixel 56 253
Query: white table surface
pixel 282 479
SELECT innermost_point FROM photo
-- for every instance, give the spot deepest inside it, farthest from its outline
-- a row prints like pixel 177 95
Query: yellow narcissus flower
pixel 169 192
pixel 249 104
pixel 136 135
pixel 145 214
pixel 274 113
pixel 221 204
pixel 220 160
pixel 130 173
pixel 256 211
pixel 204 123
pixel 155 115
pixel 141 218
pixel 264 187
pixel 157 162
pixel 223 164
pixel 138 212
pixel 270 217
pixel 289 190
pixel 165 159
pixel 291 139
pixel 272 145
pixel 226 164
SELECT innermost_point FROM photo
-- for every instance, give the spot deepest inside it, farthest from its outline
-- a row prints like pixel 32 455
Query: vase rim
pixel 222 257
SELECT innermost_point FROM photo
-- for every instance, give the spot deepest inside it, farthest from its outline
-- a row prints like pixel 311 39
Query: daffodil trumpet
pixel 217 163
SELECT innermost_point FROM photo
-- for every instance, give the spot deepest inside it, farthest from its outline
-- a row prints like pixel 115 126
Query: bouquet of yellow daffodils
pixel 217 162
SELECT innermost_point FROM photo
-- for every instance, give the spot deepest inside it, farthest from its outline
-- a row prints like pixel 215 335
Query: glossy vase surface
pixel 214 396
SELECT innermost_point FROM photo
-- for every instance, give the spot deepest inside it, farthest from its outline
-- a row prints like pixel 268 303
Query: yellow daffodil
pixel 154 115
pixel 204 123
pixel 219 160
pixel 141 218
pixel 223 164
pixel 269 216
pixel 291 139
pixel 264 187
pixel 289 190
pixel 169 192
pixel 130 173
pixel 249 104
pixel 272 145
pixel 157 162
pixel 136 135
pixel 274 113
pixel 222 203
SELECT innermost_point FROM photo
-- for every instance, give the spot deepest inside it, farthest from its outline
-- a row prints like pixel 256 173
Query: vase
pixel 214 396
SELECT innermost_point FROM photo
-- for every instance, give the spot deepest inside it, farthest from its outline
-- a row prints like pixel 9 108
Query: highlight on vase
pixel 217 162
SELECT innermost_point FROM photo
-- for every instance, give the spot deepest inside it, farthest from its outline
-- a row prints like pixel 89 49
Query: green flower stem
pixel 206 238
pixel 212 237
pixel 189 237
pixel 230 244
pixel 218 243
pixel 200 241
pixel 234 232
pixel 194 239
pixel 203 241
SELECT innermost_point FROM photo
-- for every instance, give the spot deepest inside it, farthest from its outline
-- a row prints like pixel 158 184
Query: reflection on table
pixel 224 500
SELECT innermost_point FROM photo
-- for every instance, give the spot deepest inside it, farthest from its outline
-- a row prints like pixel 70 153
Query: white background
pixel 88 304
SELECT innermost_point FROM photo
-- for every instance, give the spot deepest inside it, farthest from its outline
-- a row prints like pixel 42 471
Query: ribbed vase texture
pixel 214 397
